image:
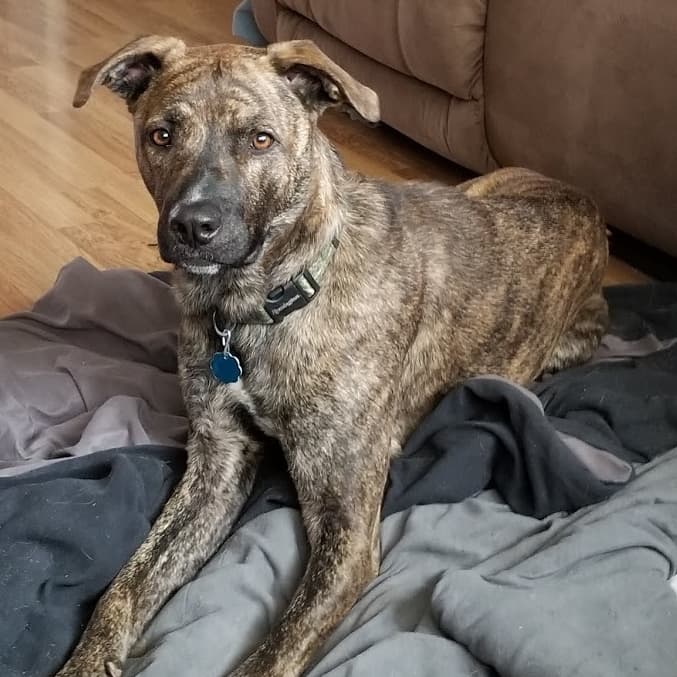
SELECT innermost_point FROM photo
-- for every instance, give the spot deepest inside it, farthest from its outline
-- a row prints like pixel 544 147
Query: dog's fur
pixel 429 285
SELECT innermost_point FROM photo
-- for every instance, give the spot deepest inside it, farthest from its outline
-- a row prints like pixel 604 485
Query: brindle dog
pixel 354 304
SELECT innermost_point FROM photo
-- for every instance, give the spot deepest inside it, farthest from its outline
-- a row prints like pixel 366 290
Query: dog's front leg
pixel 340 484
pixel 222 460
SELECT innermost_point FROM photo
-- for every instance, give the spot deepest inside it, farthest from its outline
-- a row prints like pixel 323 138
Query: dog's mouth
pixel 210 265
pixel 200 268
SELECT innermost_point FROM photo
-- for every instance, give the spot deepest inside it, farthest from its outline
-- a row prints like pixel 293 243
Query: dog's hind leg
pixel 579 342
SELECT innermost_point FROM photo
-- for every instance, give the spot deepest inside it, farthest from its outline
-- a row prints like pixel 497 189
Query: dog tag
pixel 224 365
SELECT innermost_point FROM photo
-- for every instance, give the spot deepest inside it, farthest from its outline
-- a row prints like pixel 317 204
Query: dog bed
pixel 526 531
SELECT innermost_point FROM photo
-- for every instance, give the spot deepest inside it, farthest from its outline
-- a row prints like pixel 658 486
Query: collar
pixel 295 294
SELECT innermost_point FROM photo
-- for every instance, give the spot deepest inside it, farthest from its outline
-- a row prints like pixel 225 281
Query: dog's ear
pixel 129 71
pixel 318 81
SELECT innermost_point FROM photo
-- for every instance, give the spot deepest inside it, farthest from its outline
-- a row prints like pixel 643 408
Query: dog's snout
pixel 195 223
pixel 202 221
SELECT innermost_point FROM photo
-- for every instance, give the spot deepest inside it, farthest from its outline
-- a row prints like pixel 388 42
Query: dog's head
pixel 224 137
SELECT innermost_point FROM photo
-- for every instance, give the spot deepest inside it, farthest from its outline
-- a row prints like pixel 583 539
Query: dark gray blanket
pixel 93 367
pixel 65 531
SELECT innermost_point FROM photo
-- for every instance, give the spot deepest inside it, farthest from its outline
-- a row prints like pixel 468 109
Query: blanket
pixel 92 367
pixel 470 588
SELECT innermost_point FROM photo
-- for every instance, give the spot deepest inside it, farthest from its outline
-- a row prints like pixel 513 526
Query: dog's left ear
pixel 318 81
pixel 129 71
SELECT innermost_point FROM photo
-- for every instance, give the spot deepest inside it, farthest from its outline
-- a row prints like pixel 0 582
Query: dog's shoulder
pixel 408 201
pixel 430 211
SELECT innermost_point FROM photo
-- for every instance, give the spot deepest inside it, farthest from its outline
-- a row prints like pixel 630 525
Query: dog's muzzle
pixel 202 232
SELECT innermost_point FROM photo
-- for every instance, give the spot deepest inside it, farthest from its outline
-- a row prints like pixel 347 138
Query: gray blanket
pixel 92 366
pixel 470 588
pixel 462 587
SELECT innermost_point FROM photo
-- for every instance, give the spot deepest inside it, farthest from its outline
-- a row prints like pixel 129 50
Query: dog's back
pixel 486 278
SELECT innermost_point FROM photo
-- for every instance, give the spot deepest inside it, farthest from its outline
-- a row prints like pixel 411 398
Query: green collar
pixel 297 293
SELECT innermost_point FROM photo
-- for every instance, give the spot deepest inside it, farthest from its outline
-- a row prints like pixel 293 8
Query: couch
pixel 584 90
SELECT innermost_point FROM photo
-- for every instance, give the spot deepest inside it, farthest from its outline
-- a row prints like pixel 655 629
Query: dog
pixel 324 309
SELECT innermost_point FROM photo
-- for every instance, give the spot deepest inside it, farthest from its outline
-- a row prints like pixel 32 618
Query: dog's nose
pixel 195 223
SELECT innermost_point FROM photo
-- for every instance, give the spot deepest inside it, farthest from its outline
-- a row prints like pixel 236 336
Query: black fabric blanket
pixel 572 440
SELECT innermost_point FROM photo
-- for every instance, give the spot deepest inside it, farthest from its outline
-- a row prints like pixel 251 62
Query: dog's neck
pixel 309 231
pixel 314 223
pixel 292 295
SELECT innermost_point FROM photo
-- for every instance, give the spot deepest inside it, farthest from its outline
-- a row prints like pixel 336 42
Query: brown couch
pixel 584 90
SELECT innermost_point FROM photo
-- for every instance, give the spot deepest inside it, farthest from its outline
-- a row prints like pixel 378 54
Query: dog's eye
pixel 262 141
pixel 161 137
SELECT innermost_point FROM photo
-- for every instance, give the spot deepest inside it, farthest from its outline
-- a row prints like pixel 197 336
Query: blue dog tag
pixel 226 367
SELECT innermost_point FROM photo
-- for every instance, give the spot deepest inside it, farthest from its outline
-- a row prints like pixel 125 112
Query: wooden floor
pixel 68 182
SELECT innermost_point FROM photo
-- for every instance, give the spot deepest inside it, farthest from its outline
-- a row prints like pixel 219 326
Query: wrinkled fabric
pixel 470 588
pixel 65 531
pixel 93 366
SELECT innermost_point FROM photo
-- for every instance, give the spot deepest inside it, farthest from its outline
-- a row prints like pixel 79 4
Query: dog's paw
pixel 255 672
pixel 94 667
pixel 259 668
pixel 112 669
pixel 105 643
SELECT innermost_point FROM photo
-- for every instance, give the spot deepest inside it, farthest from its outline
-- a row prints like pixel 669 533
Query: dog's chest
pixel 272 370
pixel 241 395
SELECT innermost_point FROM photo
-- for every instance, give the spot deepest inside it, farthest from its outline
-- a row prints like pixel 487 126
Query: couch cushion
pixel 589 94
pixel 436 41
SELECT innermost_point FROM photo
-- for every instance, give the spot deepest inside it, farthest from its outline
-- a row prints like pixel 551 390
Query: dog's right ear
pixel 129 71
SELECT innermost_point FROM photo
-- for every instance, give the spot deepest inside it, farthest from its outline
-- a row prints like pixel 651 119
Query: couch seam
pixel 400 43
pixel 490 153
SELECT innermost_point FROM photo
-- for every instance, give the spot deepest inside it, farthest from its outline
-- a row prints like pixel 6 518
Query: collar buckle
pixel 295 294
